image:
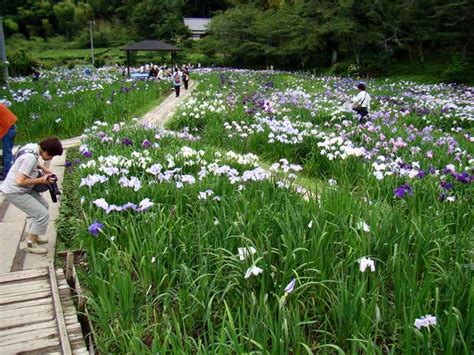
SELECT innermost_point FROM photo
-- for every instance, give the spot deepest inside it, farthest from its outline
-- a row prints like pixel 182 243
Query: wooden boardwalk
pixel 37 314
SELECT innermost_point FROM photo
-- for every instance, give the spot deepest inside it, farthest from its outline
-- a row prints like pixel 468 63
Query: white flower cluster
pixel 199 106
pixel 143 205
pixel 334 146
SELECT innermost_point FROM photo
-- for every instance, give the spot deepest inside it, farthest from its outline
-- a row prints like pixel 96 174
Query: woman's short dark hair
pixel 52 145
pixel 361 86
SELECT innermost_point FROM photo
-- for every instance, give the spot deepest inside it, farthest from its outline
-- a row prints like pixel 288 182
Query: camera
pixel 54 189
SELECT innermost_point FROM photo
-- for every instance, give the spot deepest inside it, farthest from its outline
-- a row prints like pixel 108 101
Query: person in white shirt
pixel 361 103
pixel 18 188
pixel 177 79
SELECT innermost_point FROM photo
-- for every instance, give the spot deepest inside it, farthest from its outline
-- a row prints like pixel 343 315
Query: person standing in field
pixel 185 77
pixel 361 103
pixel 7 134
pixel 177 77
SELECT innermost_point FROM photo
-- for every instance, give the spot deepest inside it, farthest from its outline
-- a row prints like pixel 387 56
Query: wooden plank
pixel 65 346
pixel 25 297
pixel 22 284
pixel 71 319
pixel 27 328
pixel 35 345
pixel 25 311
pixel 31 336
pixel 81 300
pixel 26 304
pixel 22 275
pixel 68 311
pixel 69 266
pixel 26 319
pixel 20 291
pixel 74 328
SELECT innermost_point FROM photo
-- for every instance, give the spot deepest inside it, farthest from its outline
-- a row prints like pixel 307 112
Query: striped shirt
pixel 26 164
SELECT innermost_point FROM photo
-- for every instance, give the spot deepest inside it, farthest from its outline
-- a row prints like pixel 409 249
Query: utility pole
pixel 3 54
pixel 92 41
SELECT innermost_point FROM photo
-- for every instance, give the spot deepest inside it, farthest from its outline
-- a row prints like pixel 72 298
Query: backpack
pixel 177 79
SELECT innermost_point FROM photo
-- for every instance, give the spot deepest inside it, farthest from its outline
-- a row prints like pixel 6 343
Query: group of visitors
pixel 21 175
pixel 180 76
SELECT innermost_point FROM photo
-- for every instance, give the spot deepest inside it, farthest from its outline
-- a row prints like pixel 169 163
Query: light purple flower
pixel 101 203
pixel 291 286
pixel 145 204
pixel 425 321
pixel 95 228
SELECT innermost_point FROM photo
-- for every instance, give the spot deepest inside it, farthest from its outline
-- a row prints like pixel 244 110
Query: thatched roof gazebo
pixel 150 45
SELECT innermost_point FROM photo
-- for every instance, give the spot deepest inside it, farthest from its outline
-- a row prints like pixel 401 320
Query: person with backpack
pixel 177 77
pixel 361 103
pixel 18 188
pixel 7 134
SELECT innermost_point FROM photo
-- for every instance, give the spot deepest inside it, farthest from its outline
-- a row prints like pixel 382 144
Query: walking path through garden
pixel 14 259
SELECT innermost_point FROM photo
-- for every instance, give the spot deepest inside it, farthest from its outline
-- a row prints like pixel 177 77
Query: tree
pixel 65 12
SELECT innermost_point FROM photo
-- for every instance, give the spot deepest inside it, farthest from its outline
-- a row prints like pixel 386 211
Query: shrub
pixel 456 72
pixel 99 62
pixel 340 68
pixel 21 63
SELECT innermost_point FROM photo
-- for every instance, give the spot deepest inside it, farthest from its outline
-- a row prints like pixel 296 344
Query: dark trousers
pixel 7 146
pixel 186 82
pixel 176 90
pixel 362 112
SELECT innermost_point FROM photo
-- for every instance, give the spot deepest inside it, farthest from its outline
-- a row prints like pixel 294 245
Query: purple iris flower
pixel 67 164
pixel 446 185
pixel 463 177
pixel 126 141
pixel 146 143
pixel 421 174
pixel 95 228
pixel 403 190
pixel 87 154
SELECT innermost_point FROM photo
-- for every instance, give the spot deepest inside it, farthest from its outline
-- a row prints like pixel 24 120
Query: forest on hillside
pixel 285 33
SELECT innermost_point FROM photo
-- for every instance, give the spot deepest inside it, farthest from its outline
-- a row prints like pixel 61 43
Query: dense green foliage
pixel 369 34
pixel 365 36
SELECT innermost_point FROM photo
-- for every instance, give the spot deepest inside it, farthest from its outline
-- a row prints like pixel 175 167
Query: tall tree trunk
pixel 410 54
pixel 357 57
pixel 334 56
pixel 464 50
pixel 420 51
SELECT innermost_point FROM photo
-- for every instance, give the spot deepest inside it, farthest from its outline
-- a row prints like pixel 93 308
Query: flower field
pixel 65 102
pixel 266 220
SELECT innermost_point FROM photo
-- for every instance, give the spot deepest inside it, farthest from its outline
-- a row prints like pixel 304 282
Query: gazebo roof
pixel 151 45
